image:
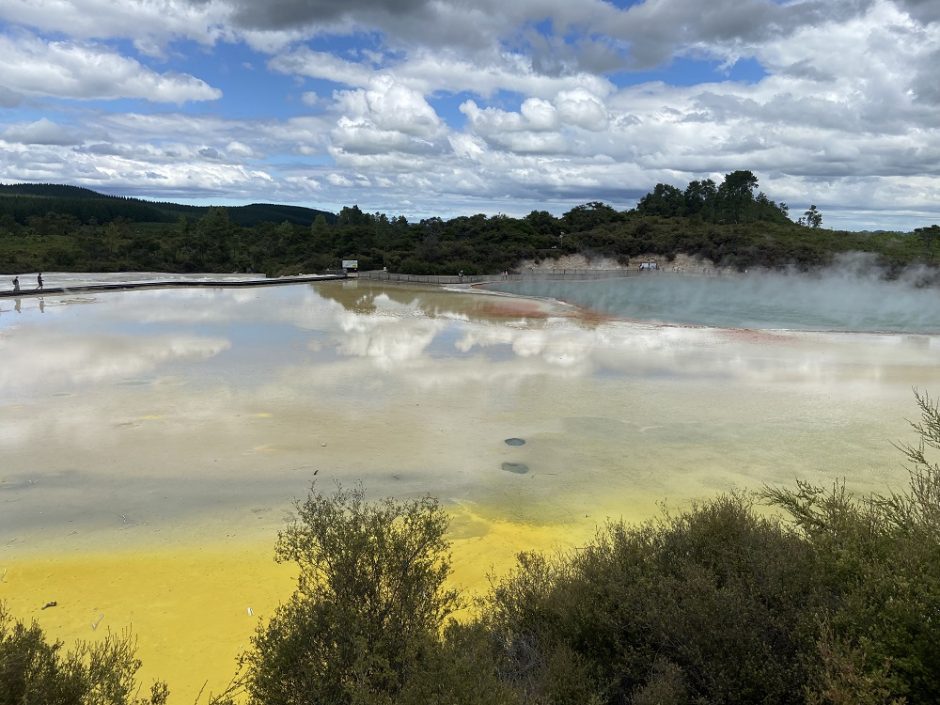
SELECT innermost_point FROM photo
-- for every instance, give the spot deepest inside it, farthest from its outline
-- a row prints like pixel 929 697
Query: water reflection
pixel 186 408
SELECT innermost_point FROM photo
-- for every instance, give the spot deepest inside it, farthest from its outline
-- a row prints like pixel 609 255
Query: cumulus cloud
pixel 42 131
pixel 843 115
pixel 386 117
pixel 540 126
pixel 66 69
pixel 338 180
pixel 150 23
pixel 392 106
pixel 582 109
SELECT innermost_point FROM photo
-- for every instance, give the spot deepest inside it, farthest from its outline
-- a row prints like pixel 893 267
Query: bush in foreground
pixel 35 671
pixel 714 605
pixel 837 601
pixel 366 623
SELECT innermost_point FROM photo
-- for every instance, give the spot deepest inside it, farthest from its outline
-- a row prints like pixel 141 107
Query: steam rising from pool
pixel 840 299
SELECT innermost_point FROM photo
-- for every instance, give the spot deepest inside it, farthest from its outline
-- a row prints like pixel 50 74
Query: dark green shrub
pixel 714 602
pixel 364 623
pixel 879 559
pixel 34 671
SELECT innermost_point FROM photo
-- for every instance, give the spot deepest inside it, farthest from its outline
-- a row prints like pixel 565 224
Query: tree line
pixel 832 600
pixel 732 224
pixel 23 202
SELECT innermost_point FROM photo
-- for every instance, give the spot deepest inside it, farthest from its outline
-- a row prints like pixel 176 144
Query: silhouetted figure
pixel 39 280
pixel 16 285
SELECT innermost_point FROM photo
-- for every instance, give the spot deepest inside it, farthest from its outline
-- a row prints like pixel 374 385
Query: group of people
pixel 16 283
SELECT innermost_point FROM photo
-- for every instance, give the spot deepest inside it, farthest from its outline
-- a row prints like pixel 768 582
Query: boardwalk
pixel 520 275
pixel 170 283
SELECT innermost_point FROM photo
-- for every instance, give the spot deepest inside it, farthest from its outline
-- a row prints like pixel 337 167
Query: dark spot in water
pixel 517 468
pixel 515 441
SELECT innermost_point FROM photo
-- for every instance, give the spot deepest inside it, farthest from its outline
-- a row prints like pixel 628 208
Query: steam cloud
pixel 850 296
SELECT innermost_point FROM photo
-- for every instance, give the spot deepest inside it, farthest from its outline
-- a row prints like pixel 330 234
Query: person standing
pixel 16 285
pixel 39 280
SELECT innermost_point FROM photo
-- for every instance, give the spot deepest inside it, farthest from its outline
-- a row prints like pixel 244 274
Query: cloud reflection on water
pixel 414 391
pixel 36 359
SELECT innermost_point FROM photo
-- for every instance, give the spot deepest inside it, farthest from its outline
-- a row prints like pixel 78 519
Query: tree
pixel 364 622
pixel 812 217
pixel 929 235
pixel 700 198
pixel 665 200
pixel 352 216
pixel 543 222
pixel 585 217
pixel 736 195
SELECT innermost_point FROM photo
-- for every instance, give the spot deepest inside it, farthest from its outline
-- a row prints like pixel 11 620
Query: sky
pixel 450 107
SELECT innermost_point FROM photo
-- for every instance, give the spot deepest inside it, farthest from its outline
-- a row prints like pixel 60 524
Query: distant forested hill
pixel 63 228
pixel 24 201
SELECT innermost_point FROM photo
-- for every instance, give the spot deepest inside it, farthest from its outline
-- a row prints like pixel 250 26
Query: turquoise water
pixel 829 302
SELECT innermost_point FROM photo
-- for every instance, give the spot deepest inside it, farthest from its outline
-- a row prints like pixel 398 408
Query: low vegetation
pixel 36 671
pixel 832 600
pixel 61 228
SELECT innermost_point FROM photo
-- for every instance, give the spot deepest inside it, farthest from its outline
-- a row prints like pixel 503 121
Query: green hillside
pixel 732 224
pixel 24 201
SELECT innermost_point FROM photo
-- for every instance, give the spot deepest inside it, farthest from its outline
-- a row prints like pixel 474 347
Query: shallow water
pixel 164 433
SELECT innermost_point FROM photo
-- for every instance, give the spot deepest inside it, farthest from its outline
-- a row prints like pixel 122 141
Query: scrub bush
pixel 832 600
pixel 879 558
pixel 35 671
pixel 366 623
pixel 713 605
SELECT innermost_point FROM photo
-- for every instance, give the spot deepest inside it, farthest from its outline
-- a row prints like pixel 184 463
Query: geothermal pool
pixel 151 441
pixel 834 299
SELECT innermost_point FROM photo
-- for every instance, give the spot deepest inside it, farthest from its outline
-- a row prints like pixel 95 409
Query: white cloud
pixel 66 69
pixel 320 64
pixel 391 106
pixel 338 180
pixel 42 131
pixel 151 23
pixel 428 71
pixel 386 117
pixel 844 117
pixel 582 109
